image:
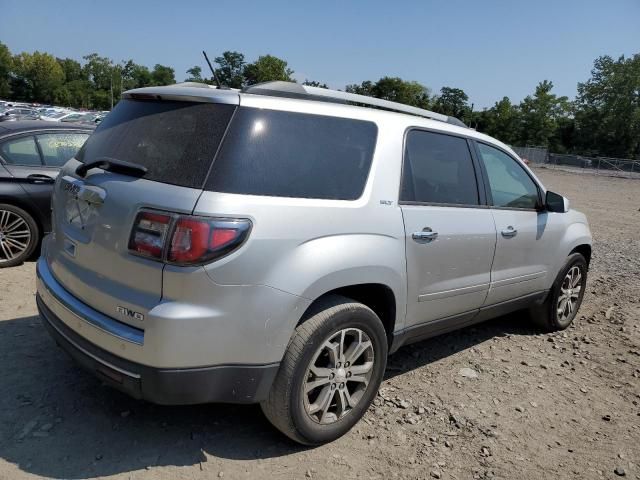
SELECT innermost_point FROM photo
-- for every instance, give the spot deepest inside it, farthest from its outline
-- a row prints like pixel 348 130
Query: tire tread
pixel 278 404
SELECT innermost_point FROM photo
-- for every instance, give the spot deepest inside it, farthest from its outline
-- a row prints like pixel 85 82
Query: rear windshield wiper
pixel 113 165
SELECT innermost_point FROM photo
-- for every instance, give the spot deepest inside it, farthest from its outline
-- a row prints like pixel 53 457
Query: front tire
pixel 19 235
pixel 561 306
pixel 330 373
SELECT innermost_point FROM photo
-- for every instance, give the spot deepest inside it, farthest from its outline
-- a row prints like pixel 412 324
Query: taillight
pixel 189 241
pixel 192 240
pixel 149 234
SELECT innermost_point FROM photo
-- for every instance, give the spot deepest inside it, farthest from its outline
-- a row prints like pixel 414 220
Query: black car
pixel 31 154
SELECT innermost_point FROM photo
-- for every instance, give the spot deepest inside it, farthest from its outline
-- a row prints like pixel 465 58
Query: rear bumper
pixel 221 383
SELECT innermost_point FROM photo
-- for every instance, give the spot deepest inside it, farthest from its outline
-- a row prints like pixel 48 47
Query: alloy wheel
pixel 569 293
pixel 15 235
pixel 338 375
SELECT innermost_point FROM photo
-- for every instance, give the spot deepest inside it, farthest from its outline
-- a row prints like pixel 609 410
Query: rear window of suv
pixel 288 154
pixel 176 141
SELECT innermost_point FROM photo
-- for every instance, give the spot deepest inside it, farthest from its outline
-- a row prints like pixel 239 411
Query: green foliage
pixel 195 75
pixel 6 66
pixel 39 75
pixel 98 70
pixel 72 69
pixel 603 120
pixel 314 83
pixel 267 68
pixel 394 89
pixel 139 77
pixel 231 69
pixel 452 102
pixel 365 88
pixel 608 108
pixel 162 75
pixel 501 121
pixel 540 115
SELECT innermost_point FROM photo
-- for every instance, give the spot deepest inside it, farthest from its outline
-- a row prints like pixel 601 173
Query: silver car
pixel 275 244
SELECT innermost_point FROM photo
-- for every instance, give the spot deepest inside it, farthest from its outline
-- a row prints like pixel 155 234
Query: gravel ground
pixel 498 400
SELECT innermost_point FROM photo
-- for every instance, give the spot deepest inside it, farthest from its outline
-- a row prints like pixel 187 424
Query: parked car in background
pixel 20 113
pixel 81 117
pixel 31 154
pixel 71 117
pixel 53 115
pixel 67 116
pixel 237 246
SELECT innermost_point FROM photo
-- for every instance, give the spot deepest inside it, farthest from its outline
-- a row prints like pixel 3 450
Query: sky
pixel 489 48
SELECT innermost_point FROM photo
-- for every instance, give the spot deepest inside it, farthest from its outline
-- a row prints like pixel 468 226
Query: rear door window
pixel 57 148
pixel 288 154
pixel 175 140
pixel 438 169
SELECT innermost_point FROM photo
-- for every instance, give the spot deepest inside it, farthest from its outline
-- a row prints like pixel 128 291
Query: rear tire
pixel 330 373
pixel 561 306
pixel 19 235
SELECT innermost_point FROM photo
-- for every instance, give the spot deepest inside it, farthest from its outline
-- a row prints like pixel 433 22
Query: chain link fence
pixel 618 167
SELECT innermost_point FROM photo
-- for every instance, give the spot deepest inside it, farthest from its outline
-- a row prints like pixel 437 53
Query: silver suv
pixel 275 244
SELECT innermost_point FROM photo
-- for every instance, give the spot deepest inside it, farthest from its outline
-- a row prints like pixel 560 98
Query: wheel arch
pixel 377 296
pixel 583 249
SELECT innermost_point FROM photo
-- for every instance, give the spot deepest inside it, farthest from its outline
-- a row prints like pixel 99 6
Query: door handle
pixel 425 235
pixel 509 232
pixel 39 178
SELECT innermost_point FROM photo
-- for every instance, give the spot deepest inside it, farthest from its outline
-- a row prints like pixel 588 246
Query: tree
pixel 314 83
pixel 195 74
pixel 607 118
pixel 71 68
pixel 6 65
pixel 541 114
pixel 78 93
pixel 75 91
pixel 230 71
pixel 267 68
pixel 501 121
pixel 162 75
pixel 99 72
pixel 365 88
pixel 40 75
pixel 394 89
pixel 452 102
pixel 139 77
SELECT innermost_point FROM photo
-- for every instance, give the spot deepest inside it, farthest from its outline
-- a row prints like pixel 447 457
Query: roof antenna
pixel 215 77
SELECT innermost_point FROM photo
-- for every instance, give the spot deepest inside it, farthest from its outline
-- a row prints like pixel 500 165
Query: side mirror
pixel 556 203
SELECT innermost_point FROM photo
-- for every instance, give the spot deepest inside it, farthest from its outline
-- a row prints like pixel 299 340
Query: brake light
pixel 189 242
pixel 192 240
pixel 149 234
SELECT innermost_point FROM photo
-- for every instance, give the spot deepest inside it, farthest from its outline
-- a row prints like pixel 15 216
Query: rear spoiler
pixel 187 92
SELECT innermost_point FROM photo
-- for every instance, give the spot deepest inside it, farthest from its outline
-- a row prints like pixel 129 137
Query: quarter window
pixel 21 151
pixel 288 154
pixel 438 169
pixel 510 185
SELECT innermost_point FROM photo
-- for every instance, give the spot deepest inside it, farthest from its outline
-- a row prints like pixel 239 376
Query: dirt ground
pixel 561 405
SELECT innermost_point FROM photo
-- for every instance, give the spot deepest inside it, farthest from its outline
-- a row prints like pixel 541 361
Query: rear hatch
pixel 175 140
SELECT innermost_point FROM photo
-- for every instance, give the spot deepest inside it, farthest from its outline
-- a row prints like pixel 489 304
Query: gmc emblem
pixel 127 312
pixel 72 188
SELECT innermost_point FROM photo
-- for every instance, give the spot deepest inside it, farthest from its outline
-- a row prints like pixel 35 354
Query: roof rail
pixel 295 90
